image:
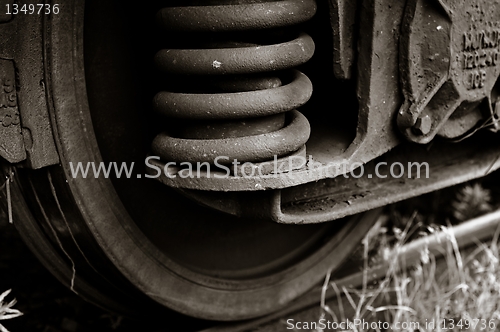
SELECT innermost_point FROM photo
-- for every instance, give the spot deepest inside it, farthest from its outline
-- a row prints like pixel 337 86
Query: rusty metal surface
pixel 343 21
pixel 232 128
pixel 276 263
pixel 237 16
pixel 241 60
pixel 34 228
pixel 379 99
pixel 236 105
pixel 334 198
pixel 120 227
pixel 150 233
pixel 11 140
pixel 250 148
pixel 287 163
pixel 450 62
pixel 233 83
pixel 448 164
pixel 256 136
pixel 22 41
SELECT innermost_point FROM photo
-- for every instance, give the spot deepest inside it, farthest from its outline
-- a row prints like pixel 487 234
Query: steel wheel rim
pixel 124 244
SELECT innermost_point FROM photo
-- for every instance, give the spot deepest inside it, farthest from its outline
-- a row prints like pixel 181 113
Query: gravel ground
pixel 50 307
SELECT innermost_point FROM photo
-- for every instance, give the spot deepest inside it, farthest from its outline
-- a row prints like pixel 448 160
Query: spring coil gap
pixel 234 97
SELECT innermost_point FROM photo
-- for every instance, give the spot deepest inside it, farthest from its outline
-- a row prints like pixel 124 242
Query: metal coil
pixel 253 148
pixel 235 105
pixel 246 109
pixel 236 15
pixel 240 60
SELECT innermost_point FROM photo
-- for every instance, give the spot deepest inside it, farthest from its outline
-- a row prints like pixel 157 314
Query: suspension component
pixel 449 85
pixel 241 98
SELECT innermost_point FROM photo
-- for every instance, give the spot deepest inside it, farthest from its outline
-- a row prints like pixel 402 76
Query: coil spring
pixel 244 110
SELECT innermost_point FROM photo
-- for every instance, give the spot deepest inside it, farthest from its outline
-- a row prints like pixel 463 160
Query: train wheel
pixel 132 244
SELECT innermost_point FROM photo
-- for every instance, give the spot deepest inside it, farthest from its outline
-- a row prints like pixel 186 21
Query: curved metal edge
pixel 236 17
pixel 53 256
pixel 120 239
pixel 239 60
pixel 466 234
pixel 237 105
pixel 256 148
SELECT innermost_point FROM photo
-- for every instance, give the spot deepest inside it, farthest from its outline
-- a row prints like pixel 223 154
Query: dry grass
pixel 462 289
pixel 6 310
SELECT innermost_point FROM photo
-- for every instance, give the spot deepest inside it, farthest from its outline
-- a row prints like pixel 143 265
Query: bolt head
pixel 423 125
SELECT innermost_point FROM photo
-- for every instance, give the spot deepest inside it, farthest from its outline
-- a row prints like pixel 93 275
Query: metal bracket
pixel 342 19
pixel 450 62
pixel 11 139
pixel 25 130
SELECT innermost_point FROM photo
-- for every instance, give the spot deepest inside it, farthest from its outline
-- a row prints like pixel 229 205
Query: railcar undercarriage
pixel 315 100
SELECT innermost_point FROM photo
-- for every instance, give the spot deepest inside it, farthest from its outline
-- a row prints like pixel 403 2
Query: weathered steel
pixel 231 128
pixel 146 246
pixel 183 256
pixel 444 164
pixel 21 48
pixel 226 140
pixel 233 83
pixel 287 163
pixel 238 105
pixel 241 60
pixel 250 148
pixel 343 21
pixel 450 62
pixel 241 15
pixel 333 152
pixel 466 235
pixel 11 139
